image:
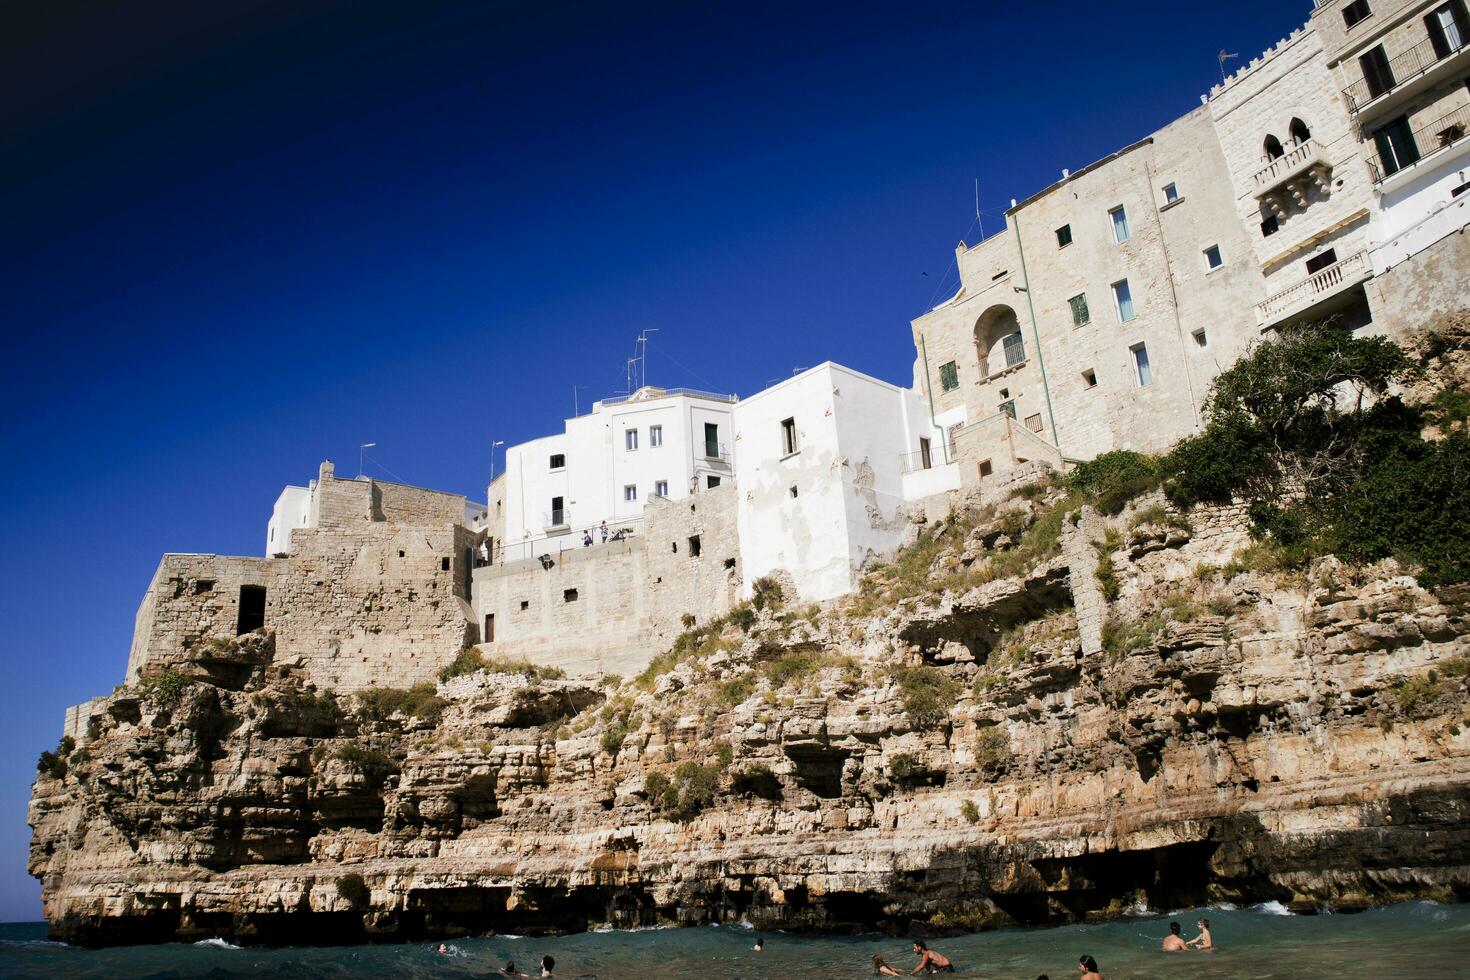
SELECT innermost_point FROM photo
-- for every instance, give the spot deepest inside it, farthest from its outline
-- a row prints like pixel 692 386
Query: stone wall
pixel 679 582
pixel 586 611
pixel 1433 284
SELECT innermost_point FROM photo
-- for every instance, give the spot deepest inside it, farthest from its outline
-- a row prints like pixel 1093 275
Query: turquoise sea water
pixel 1415 940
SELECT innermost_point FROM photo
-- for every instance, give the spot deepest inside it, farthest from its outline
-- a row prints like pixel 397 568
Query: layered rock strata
pixel 1035 715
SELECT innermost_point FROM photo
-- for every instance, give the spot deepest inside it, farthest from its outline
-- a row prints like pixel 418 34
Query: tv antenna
pixel 979 220
pixel 1224 57
pixel 360 450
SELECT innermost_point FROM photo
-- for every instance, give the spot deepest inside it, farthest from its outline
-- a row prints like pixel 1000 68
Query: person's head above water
pixel 760 944
pixel 1174 928
pixel 1203 923
pixel 1087 963
pixel 547 964
pixel 919 946
pixel 510 968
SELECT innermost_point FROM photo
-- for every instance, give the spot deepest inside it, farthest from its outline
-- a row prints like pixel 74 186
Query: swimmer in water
pixel 443 950
pixel 1088 966
pixel 930 961
pixel 547 965
pixel 881 967
pixel 1204 940
pixel 510 970
pixel 760 946
pixel 1173 942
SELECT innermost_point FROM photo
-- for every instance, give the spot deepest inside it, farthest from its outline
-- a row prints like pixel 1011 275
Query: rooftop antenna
pixel 360 449
pixel 1224 57
pixel 642 356
pixel 979 220
pixel 497 442
pixel 576 412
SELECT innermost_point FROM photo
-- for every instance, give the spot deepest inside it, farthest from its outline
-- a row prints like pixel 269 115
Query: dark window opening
pixel 711 440
pixel 788 436
pixel 489 628
pixel 1319 262
pixel 674 547
pixel 1355 13
pixel 729 563
pixel 1089 378
pixel 1270 226
pixel 1448 28
pixel 985 468
pixel 400 554
pixel 525 604
pixel 558 460
pixel 203 585
pixel 793 491
pixel 444 564
pixel 925 460
pixel 1299 131
pixel 569 595
pixel 558 511
pixel 1396 146
pixel 1377 74
pixel 1064 236
pixel 252 609
pixel 694 546
pixel 1457 191
pixel 710 482
pixel 1272 148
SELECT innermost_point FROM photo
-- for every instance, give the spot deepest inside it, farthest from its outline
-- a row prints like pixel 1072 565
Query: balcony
pixel 556 520
pixel 1295 172
pixel 1380 91
pixel 1425 142
pixel 1314 289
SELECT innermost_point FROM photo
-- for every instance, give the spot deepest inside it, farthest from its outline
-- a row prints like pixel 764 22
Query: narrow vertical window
pixel 1141 365
pixel 1377 74
pixel 655 436
pixel 1212 257
pixel 1123 297
pixel 949 376
pixel 1015 349
pixel 630 439
pixel 630 492
pixel 711 440
pixel 924 458
pixel 1120 224
pixel 1081 316
pixel 661 488
pixel 788 437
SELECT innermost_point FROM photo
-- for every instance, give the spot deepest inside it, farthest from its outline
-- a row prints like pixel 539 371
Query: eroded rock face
pixel 950 762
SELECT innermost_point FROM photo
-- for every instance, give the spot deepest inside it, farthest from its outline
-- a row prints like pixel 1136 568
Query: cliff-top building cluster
pixel 1327 179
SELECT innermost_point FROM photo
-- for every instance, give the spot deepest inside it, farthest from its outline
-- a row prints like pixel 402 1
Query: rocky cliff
pixel 1036 714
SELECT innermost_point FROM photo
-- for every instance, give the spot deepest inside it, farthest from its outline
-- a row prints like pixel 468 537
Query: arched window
pixel 1272 147
pixel 1299 131
pixel 998 343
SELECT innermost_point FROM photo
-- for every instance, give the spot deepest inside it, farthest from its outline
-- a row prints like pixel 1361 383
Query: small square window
pixel 661 488
pixel 1270 225
pixel 1064 236
pixel 1200 339
pixel 1171 193
pixel 949 376
pixel 1123 298
pixel 1141 364
pixel 630 439
pixel 985 468
pixel 711 481
pixel 655 436
pixel 525 604
pixel 1120 224
pixel 1081 316
pixel 569 595
pixel 630 492
pixel 1356 12
pixel 1212 257
pixel 1089 378
pixel 558 461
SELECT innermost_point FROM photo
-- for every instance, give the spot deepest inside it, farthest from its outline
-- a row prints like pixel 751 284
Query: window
pixel 661 488
pixel 1120 224
pixel 1321 261
pixel 1448 30
pixel 926 460
pixel 1089 378
pixel 1457 191
pixel 1396 146
pixel 1200 339
pixel 711 440
pixel 1140 363
pixel 949 376
pixel 1212 257
pixel 444 564
pixel 558 461
pixel 985 468
pixel 793 491
pixel 489 627
pixel 1009 407
pixel 1080 314
pixel 1123 298
pixel 1272 149
pixel 1064 236
pixel 788 436
pixel 1377 74
pixel 711 481
pixel 251 615
pixel 568 595
pixel 694 546
pixel 558 513
pixel 655 436
pixel 630 439
pixel 525 604
pixel 630 492
pixel 1033 422
pixel 1300 132
pixel 951 434
pixel 1270 226
pixel 1355 13
pixel 1015 349
pixel 1171 193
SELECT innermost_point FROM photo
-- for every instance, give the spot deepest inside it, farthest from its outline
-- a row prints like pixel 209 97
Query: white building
pixel 822 462
pixel 292 510
pixel 607 463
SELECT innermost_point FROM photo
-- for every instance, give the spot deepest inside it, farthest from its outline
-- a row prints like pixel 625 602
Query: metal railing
pixel 1401 70
pixel 620 529
pixel 922 459
pixel 1321 283
pixel 1298 157
pixel 719 453
pixel 556 518
pixel 1440 134
pixel 670 393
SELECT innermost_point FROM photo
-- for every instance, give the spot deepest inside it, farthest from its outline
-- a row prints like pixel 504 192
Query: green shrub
pixel 767 591
pixel 468 662
pixel 793 666
pixel 743 616
pixel 655 785
pixel 757 780
pixel 1417 693
pixel 903 767
pixel 970 811
pixel 353 889
pixel 688 619
pixel 724 753
pixel 697 786
pixel 1107 575
pixel 928 694
pixel 420 701
pixel 374 765
pixel 614 736
pixel 1120 638
pixel 737 690
pixel 165 688
pixel 471 661
pixel 1450 407
pixel 54 764
pixel 992 748
pixel 1112 479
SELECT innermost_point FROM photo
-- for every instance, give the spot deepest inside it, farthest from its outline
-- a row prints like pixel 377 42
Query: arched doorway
pixel 1299 131
pixel 1272 148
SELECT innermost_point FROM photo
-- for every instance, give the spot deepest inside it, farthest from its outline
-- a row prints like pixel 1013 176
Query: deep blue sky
pixel 235 242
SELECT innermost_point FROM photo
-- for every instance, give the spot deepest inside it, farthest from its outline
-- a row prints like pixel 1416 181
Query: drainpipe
pixel 1035 335
pixel 929 390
